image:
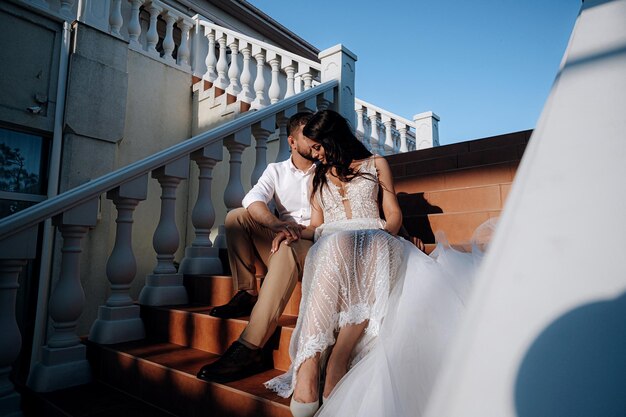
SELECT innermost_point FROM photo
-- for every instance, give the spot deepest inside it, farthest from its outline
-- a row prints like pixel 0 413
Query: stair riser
pixel 208 334
pixel 218 290
pixel 179 392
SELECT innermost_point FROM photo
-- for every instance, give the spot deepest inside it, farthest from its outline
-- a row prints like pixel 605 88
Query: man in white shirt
pixel 249 233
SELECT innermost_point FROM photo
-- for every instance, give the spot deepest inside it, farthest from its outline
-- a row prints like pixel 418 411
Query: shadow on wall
pixel 577 365
pixel 415 211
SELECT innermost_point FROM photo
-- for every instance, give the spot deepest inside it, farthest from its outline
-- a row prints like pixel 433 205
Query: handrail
pixel 92 189
pixel 385 112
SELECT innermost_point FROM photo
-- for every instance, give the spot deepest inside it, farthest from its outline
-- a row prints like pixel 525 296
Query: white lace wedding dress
pixel 356 271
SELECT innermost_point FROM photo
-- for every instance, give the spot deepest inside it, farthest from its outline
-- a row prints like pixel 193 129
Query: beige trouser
pixel 249 243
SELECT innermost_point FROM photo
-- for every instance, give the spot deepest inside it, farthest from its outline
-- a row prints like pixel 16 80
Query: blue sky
pixel 485 66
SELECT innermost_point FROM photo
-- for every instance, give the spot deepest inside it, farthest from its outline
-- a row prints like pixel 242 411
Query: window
pixel 23 170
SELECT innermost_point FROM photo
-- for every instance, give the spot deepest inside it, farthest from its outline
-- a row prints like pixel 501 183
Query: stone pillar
pixel 134 27
pixel 95 13
pixel 210 75
pixel 388 145
pixel 152 36
pixel 260 100
pixel 246 95
pixel 261 132
pixel 201 257
pixel 283 145
pixel 64 360
pixel 165 285
pixel 234 192
pixel 119 320
pixel 338 63
pixel 221 81
pixel 234 87
pixel 426 130
pixel 274 91
pixel 14 253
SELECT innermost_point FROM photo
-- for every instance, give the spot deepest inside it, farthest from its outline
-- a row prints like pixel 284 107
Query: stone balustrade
pixel 386 133
pixel 252 71
pixel 74 213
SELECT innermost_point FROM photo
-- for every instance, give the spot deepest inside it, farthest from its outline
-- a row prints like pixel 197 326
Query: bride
pixel 372 304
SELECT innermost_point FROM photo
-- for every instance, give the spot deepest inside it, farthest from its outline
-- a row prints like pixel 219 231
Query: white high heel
pixel 299 409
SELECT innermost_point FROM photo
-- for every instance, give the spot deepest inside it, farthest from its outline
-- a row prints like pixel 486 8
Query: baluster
pixel 325 99
pixel 381 137
pixel 119 320
pixel 134 27
pixel 259 83
pixel 152 36
pixel 290 70
pixel 396 141
pixel 283 143
pixel 115 18
pixel 274 90
pixel 388 145
pixel 221 81
pixel 66 9
pixel 14 253
pixel 261 132
pixel 11 341
pixel 360 128
pixel 246 94
pixel 307 78
pixel 234 87
pixel 183 49
pixel 210 75
pixel 168 41
pixel 373 116
pixel 64 362
pixel 165 285
pixel 403 140
pixel 234 193
pixel 201 257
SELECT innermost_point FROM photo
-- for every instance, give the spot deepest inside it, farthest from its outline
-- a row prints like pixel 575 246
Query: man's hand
pixel 291 230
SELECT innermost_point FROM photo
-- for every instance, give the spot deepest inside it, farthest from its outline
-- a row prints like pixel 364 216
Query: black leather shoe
pixel 240 305
pixel 236 363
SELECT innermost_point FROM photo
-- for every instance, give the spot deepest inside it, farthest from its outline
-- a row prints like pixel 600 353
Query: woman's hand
pixel 281 236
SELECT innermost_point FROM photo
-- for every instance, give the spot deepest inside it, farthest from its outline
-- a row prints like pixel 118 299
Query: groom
pixel 249 233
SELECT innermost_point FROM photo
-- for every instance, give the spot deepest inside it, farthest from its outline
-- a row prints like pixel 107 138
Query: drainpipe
pixel 41 317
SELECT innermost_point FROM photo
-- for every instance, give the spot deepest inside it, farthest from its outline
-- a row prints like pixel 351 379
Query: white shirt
pixel 288 186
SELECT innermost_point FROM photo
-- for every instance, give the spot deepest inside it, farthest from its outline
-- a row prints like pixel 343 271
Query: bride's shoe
pixel 299 409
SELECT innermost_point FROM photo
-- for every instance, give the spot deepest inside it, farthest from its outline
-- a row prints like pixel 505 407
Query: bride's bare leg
pixel 307 381
pixel 338 360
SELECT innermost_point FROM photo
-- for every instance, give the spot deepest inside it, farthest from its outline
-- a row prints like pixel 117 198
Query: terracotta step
pixel 458 227
pixel 164 375
pixel 216 290
pixel 191 326
pixel 95 399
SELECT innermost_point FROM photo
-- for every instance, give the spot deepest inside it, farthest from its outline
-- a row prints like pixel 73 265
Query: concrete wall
pixel 122 106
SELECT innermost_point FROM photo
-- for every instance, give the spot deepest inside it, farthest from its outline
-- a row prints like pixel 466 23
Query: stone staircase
pixel 452 188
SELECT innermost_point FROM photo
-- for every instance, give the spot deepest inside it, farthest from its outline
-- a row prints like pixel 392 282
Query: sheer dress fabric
pixel 425 309
pixel 348 274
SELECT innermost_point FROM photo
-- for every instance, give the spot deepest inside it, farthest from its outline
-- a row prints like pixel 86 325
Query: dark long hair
pixel 333 132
